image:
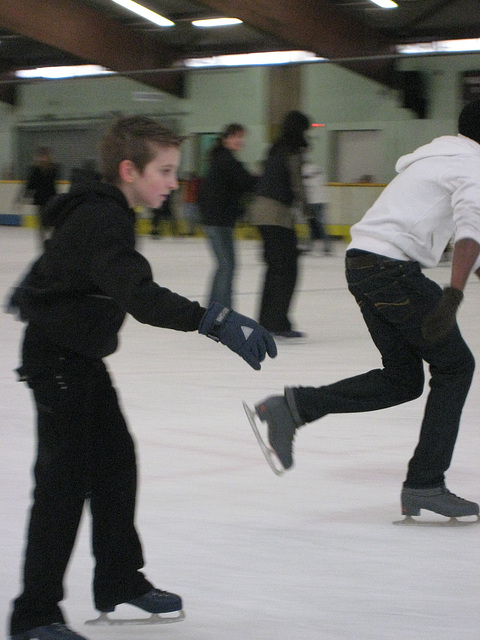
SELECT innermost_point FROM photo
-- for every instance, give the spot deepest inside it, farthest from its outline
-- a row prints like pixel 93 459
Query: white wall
pixel 217 98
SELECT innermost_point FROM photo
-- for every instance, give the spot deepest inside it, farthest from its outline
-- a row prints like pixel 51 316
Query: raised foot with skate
pixel 164 607
pixel 270 455
pixel 281 416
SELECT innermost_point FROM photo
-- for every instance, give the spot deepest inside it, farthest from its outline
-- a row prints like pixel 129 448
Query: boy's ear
pixel 127 171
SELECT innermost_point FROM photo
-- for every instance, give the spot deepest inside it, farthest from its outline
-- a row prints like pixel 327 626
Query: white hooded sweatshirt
pixel 435 197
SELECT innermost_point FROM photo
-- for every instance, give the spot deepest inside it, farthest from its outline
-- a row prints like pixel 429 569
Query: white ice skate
pixel 270 455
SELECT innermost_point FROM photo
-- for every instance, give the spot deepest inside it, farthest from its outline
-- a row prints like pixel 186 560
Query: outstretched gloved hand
pixel 442 319
pixel 239 333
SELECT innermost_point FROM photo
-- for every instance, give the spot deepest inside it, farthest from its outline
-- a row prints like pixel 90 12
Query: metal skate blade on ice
pixel 154 618
pixel 410 521
pixel 270 455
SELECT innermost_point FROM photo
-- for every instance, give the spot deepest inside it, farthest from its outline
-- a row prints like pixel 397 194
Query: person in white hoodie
pixel 436 195
pixel 314 181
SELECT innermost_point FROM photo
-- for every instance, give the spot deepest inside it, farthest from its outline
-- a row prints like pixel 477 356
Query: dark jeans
pixel 317 222
pixel 223 248
pixel 394 297
pixel 281 257
pixel 84 452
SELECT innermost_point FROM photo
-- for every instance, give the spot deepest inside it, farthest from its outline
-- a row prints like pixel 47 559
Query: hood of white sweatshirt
pixel 443 146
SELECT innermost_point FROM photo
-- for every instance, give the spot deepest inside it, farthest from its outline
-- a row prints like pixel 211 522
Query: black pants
pixel 85 452
pixel 394 297
pixel 281 258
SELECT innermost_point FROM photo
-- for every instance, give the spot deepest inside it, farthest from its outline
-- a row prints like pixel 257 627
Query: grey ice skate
pixel 164 607
pixel 438 500
pixel 55 631
pixel 282 419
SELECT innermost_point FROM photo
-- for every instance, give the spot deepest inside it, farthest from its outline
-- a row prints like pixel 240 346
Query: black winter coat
pixel 276 182
pixel 76 295
pixel 223 188
pixel 41 183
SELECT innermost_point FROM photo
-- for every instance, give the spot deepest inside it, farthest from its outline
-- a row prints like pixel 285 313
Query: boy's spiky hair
pixel 134 138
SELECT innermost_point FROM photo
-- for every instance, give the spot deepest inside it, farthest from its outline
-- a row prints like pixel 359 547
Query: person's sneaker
pixel 282 418
pixel 154 601
pixel 439 500
pixel 55 631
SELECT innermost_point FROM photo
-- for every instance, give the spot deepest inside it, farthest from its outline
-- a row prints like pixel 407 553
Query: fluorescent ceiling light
pixel 63 72
pixel 145 13
pixel 251 59
pixel 441 46
pixel 385 4
pixel 216 22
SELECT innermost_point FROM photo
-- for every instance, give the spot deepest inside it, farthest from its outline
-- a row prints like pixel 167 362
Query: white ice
pixel 309 555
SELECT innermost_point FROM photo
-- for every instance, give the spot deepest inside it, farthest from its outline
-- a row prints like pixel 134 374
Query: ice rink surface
pixel 310 555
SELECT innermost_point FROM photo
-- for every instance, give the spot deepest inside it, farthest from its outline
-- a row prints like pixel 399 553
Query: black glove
pixel 442 319
pixel 240 334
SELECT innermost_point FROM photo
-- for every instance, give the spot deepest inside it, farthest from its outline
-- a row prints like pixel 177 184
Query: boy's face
pixel 152 186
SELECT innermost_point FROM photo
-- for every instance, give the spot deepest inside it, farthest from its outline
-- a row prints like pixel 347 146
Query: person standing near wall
pixel 279 189
pixel 314 181
pixel 220 199
pixel 41 186
pixel 191 210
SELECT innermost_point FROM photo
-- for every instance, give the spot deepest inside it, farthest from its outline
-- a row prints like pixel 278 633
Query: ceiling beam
pixel 317 26
pixel 94 37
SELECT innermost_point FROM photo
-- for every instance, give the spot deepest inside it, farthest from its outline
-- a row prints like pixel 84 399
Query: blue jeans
pixel 394 297
pixel 317 222
pixel 221 242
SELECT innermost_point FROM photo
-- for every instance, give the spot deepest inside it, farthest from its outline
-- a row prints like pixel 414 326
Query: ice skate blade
pixel 270 455
pixel 154 618
pixel 409 521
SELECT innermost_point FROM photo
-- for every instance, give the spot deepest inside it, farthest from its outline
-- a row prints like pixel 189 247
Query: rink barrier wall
pixel 346 205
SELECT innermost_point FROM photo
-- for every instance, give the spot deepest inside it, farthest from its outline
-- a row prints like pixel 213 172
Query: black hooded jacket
pixel 76 295
pixel 226 183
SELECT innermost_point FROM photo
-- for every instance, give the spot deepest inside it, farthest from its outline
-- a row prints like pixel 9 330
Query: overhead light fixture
pixel 216 22
pixel 54 73
pixel 385 4
pixel 441 46
pixel 145 13
pixel 253 59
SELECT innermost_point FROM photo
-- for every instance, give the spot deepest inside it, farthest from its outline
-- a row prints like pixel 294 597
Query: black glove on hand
pixel 240 334
pixel 443 318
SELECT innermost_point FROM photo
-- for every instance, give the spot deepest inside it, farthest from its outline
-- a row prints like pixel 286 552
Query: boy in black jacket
pixel 74 300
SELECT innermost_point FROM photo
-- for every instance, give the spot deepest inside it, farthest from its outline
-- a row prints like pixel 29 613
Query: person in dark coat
pixel 279 191
pixel 74 300
pixel 41 186
pixel 226 183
